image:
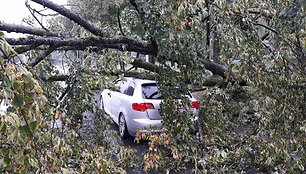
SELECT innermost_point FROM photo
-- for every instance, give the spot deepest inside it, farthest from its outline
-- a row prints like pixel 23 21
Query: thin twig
pixel 266 27
pixel 32 11
pixel 119 23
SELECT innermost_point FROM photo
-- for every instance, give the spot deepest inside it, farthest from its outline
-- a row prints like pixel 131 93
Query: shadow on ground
pixel 140 149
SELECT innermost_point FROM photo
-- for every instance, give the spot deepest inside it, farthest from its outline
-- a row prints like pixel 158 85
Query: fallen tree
pixel 257 128
pixel 52 41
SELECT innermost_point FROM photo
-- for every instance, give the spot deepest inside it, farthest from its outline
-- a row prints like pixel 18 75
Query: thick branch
pixel 26 30
pixel 215 68
pixel 71 15
pixel 214 80
pixel 122 44
pixel 42 57
pixel 134 4
pixel 57 78
pixel 26 48
pixel 267 14
pixel 145 65
pixel 208 24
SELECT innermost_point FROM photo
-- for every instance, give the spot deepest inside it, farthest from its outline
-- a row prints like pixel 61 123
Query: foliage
pixel 260 127
pixel 29 143
pixel 238 138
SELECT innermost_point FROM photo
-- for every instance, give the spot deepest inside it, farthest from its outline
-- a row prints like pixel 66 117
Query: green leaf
pixel 7 48
pixel 5 151
pixel 1 34
pixel 26 78
pixel 7 160
pixel 18 100
pixel 16 85
pixel 26 160
pixel 29 85
pixel 24 129
pixel 6 82
pixel 24 171
pixel 3 127
pixel 34 125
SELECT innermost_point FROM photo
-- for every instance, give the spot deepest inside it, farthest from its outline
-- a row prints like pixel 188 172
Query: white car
pixel 135 104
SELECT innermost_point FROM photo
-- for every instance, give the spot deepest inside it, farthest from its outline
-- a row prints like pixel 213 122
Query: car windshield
pixel 151 91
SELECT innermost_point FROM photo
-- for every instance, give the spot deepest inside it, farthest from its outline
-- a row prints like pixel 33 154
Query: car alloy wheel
pixel 122 127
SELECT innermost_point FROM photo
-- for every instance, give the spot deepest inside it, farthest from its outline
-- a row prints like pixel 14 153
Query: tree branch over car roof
pixel 97 43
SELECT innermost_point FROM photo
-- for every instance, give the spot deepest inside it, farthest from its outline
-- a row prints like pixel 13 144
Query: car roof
pixel 140 81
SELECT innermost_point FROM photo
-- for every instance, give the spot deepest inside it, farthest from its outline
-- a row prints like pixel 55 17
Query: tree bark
pixel 25 29
pixel 121 43
pixel 215 68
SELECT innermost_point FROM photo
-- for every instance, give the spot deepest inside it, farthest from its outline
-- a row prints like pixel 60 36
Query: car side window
pixel 123 86
pixel 130 89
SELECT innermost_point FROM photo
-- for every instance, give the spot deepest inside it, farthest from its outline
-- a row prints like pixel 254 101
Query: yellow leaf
pixel 57 114
pixel 38 89
pixel 7 49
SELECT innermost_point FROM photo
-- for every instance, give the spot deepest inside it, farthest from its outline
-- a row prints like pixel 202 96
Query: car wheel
pixel 123 131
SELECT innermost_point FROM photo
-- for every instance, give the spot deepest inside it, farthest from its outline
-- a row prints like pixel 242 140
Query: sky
pixel 13 11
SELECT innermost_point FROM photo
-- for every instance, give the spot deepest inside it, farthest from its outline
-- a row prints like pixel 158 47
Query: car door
pixel 106 101
pixel 117 99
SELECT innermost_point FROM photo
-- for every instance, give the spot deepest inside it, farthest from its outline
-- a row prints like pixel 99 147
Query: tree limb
pixel 267 14
pixel 121 43
pixel 56 78
pixel 26 30
pixel 71 15
pixel 26 48
pixel 146 65
pixel 42 57
pixel 208 24
pixel 134 4
pixel 215 68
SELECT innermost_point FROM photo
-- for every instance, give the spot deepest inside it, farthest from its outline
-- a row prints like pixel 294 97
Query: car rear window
pixel 150 91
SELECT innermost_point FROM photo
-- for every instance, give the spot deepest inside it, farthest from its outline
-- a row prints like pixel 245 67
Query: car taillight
pixel 142 106
pixel 195 104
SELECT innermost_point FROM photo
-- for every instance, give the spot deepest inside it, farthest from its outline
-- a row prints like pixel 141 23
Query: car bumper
pixel 144 125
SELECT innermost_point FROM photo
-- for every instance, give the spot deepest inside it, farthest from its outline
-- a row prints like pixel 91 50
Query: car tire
pixel 123 131
pixel 101 104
